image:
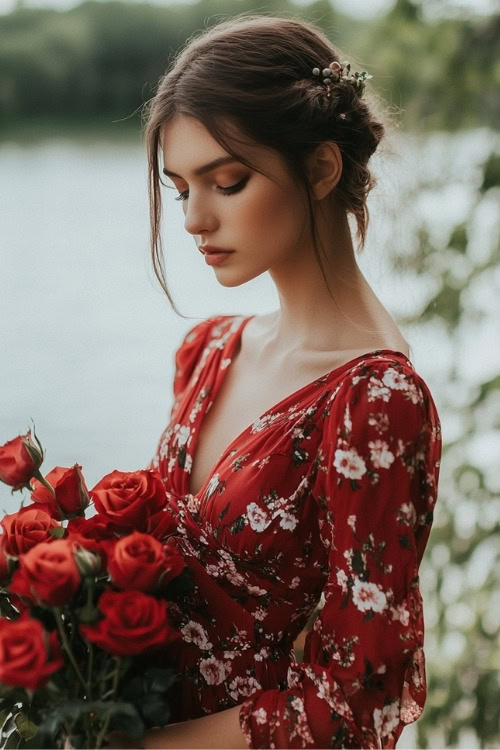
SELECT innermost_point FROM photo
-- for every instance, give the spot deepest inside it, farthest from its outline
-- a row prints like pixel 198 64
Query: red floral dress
pixel 329 496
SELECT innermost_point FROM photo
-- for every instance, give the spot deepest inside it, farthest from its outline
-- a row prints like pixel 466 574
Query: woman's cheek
pixel 261 208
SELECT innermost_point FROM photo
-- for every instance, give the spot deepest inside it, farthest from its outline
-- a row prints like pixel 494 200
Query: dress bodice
pixel 328 492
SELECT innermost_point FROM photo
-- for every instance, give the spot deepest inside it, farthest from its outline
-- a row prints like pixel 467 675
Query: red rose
pixel 95 534
pixel 141 562
pixel 26 528
pixel 133 623
pixel 47 574
pixel 5 565
pixel 72 496
pixel 128 499
pixel 93 529
pixel 161 525
pixel 20 460
pixel 28 654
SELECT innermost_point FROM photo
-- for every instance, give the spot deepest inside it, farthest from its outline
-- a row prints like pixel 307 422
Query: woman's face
pixel 262 219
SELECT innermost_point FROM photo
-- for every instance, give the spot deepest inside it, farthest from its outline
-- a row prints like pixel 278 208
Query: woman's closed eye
pixel 230 190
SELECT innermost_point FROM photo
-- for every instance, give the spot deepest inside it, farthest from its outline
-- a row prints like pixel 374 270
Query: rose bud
pixel 128 499
pixel 88 563
pixel 47 574
pixel 71 494
pixel 28 654
pixel 20 461
pixel 26 528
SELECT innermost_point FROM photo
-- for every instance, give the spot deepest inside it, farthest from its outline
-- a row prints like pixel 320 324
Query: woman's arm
pixel 217 730
pixel 363 679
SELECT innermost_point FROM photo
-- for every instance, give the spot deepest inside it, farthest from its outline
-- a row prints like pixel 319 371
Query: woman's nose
pixel 198 218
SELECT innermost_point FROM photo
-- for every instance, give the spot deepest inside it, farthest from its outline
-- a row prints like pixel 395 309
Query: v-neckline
pixel 227 353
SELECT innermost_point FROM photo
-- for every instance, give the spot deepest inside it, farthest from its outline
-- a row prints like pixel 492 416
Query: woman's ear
pixel 324 168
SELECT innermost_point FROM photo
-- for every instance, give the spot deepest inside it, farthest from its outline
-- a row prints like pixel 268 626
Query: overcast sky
pixel 358 8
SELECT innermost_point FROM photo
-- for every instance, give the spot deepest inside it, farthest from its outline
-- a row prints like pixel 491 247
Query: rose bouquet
pixel 83 604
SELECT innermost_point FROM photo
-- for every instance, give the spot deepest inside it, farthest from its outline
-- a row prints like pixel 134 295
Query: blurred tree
pixel 103 59
pixel 461 568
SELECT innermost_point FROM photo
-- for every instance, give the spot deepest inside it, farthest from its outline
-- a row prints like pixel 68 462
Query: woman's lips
pixel 214 259
pixel 205 249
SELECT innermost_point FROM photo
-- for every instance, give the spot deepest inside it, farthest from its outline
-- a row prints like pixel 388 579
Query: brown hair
pixel 255 72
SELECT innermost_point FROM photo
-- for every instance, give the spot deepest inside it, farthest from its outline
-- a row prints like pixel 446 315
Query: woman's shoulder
pixel 382 371
pixel 386 381
pixel 211 327
pixel 381 419
pixel 211 330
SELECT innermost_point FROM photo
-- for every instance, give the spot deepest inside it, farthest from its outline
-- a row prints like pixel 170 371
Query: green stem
pixel 89 671
pixel 90 665
pixel 38 475
pixel 116 677
pixel 67 647
pixel 87 717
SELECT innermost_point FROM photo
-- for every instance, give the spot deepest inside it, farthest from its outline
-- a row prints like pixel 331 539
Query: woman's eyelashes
pixel 231 190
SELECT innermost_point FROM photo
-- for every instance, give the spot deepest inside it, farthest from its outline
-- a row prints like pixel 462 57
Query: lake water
pixel 87 339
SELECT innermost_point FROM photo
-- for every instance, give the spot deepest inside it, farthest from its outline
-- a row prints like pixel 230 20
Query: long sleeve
pixel 363 675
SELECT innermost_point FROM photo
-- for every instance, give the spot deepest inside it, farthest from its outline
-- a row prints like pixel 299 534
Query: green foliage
pixel 104 59
pixel 148 692
pixel 491 175
pixel 71 711
pixel 461 567
pixel 25 727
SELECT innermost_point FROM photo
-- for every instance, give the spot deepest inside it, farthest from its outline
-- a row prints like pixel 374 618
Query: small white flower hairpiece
pixel 342 72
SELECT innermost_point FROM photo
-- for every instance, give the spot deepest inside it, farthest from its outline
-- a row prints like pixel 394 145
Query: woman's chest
pixel 244 396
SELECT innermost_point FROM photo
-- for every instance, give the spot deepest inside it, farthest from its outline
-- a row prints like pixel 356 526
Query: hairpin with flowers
pixel 342 72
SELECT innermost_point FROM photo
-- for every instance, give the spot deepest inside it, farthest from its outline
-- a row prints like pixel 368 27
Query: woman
pixel 302 455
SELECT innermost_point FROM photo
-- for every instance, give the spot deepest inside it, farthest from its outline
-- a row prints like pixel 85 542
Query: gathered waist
pixel 212 681
pixel 210 614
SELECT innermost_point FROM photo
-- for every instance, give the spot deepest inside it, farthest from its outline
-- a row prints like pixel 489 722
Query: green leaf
pixel 89 614
pixel 486 388
pixel 70 710
pixel 445 304
pixel 459 239
pixel 134 689
pixel 59 532
pixel 6 608
pixel 26 728
pixel 159 680
pixel 13 741
pixel 491 176
pixel 125 718
pixel 155 710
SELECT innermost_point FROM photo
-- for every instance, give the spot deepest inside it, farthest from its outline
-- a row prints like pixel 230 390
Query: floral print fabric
pixel 328 495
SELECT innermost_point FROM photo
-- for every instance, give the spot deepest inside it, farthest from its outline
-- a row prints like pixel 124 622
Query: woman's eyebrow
pixel 206 167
